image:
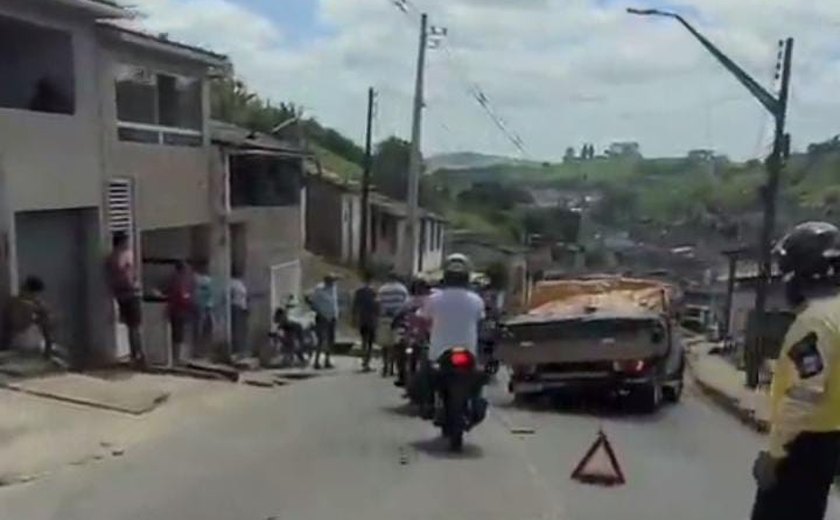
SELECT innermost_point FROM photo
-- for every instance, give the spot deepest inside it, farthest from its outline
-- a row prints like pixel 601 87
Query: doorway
pixel 57 247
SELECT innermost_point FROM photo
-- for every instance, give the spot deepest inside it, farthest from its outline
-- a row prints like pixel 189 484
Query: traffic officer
pixel 794 476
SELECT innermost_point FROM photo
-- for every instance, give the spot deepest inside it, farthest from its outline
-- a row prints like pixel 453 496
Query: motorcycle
pixel 458 405
pixel 415 360
pixel 302 321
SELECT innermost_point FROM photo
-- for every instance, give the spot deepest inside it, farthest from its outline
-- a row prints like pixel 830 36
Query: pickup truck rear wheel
pixel 673 392
pixel 648 398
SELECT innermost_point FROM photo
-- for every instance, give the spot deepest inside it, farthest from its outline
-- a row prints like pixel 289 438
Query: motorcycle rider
pixel 794 476
pixel 455 312
pixel 416 327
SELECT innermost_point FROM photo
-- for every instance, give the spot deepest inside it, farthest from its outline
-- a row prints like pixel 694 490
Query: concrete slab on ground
pixel 39 436
pixel 725 384
pixel 27 366
pixel 92 391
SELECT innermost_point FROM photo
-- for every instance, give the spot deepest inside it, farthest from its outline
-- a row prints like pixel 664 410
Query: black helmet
pixel 420 287
pixel 810 250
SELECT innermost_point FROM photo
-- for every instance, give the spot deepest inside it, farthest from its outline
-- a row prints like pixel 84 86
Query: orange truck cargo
pixel 607 334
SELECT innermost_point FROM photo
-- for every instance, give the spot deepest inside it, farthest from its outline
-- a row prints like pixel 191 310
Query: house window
pixel 36 67
pixel 158 108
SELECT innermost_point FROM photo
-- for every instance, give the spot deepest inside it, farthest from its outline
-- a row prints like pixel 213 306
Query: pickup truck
pixel 606 334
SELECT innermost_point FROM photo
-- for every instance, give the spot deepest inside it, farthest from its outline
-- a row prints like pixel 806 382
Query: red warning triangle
pixel 599 466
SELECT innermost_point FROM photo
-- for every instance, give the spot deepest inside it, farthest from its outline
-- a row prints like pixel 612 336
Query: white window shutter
pixel 121 206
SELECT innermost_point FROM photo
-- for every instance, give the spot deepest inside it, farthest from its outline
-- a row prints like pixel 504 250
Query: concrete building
pixel 739 302
pixel 155 128
pixel 105 130
pixel 51 174
pixel 388 224
pixel 333 217
pixel 624 149
pixel 261 217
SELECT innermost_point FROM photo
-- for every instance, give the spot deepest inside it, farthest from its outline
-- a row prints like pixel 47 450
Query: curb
pixel 729 405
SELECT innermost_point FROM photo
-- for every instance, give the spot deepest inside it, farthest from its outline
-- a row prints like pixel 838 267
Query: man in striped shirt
pixel 392 296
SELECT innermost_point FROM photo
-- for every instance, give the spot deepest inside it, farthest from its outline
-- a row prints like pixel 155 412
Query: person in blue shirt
pixel 324 301
pixel 204 307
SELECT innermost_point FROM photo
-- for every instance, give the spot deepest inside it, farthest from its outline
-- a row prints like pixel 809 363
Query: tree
pixel 618 205
pixel 390 167
pixel 569 156
pixel 494 195
pixel 584 152
pixel 232 102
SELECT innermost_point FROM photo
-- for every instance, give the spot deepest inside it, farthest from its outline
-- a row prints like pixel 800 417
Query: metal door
pixel 52 245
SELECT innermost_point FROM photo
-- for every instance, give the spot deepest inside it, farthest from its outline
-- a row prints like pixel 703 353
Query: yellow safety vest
pixel 805 395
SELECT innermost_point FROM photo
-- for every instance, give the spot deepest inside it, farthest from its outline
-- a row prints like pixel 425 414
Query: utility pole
pixel 363 235
pixel 415 159
pixel 770 195
pixel 777 106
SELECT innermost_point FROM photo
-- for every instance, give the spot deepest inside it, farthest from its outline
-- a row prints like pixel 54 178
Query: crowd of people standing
pixel 192 305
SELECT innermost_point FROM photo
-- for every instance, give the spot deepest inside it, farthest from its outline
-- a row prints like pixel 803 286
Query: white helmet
pixel 457 263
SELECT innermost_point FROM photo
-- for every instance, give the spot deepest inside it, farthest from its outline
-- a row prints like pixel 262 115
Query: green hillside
pixel 709 195
pixel 695 194
pixel 666 188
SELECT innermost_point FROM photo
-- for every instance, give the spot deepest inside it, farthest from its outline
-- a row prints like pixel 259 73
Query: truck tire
pixel 674 389
pixel 647 398
pixel 456 440
pixel 673 392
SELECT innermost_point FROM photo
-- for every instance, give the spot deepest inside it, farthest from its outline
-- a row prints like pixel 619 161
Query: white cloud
pixel 560 72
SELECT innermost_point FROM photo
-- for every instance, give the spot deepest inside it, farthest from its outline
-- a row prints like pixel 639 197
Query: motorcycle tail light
pixel 461 359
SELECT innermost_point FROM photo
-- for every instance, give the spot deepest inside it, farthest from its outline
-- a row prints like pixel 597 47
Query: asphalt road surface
pixel 342 447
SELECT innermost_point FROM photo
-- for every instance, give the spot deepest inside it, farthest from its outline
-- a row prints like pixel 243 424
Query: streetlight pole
pixel 777 106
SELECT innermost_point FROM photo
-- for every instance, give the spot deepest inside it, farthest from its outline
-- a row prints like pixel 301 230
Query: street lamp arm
pixel 765 98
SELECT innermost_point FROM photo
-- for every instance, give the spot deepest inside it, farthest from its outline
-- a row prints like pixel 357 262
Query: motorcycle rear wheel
pixel 456 440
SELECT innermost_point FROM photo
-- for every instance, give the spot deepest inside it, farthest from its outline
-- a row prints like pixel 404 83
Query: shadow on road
pixel 403 410
pixel 439 448
pixel 614 408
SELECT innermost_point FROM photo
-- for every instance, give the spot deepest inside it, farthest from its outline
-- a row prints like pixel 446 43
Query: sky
pixel 559 73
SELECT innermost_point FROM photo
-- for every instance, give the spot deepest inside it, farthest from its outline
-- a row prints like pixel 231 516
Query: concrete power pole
pixel 363 235
pixel 415 160
pixel 770 194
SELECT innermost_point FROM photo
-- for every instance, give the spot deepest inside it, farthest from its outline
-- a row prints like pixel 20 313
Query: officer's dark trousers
pixel 804 480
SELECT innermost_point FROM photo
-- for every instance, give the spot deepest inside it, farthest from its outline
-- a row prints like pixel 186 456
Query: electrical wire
pixel 763 141
pixel 473 89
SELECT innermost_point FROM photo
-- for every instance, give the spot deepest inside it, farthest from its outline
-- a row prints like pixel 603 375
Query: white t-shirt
pixel 238 294
pixel 455 315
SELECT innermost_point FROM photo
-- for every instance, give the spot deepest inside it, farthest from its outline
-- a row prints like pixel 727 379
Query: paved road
pixel 341 447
